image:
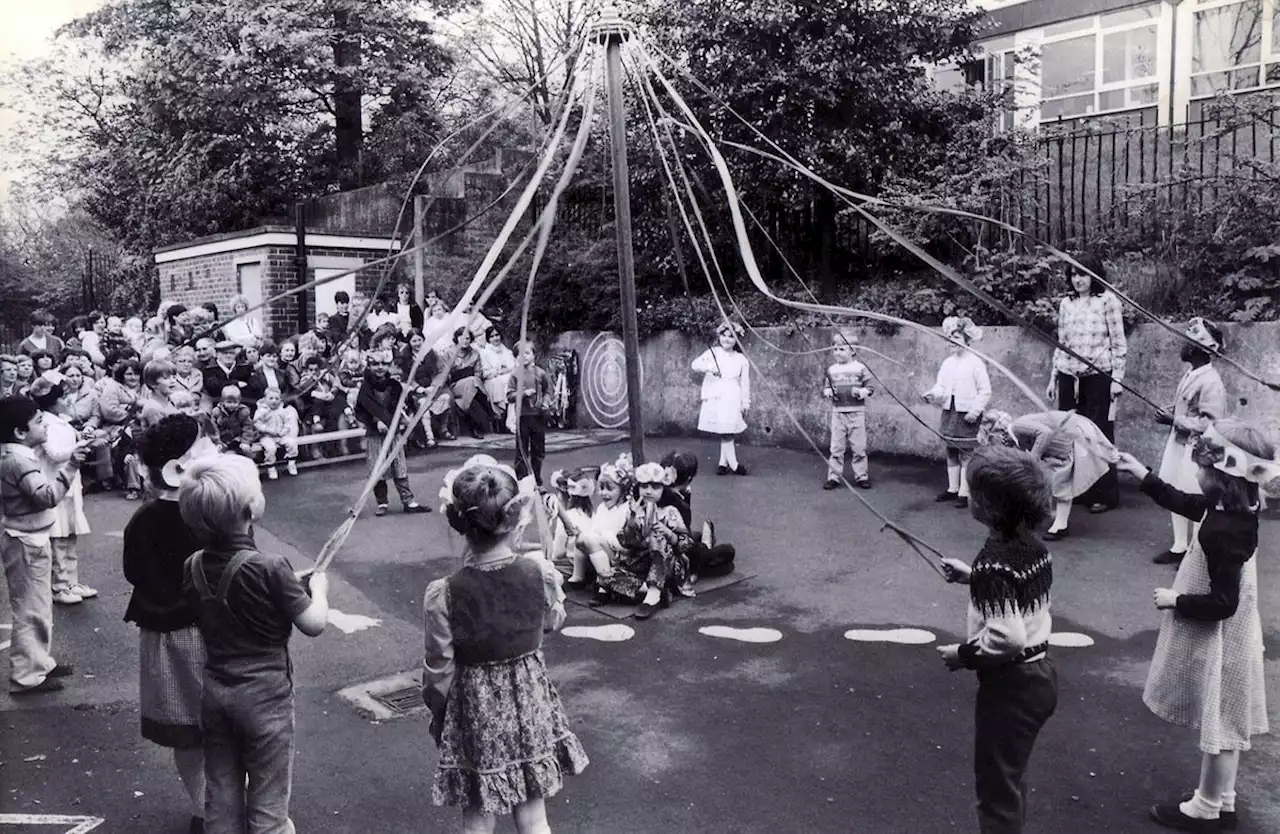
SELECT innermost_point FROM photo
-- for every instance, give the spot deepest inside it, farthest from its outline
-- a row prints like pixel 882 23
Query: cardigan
pixel 964 378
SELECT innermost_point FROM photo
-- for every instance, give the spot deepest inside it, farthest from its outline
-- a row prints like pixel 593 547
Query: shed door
pixel 249 284
pixel 325 291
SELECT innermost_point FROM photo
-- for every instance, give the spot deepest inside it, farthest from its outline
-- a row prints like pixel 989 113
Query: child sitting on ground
pixel 278 426
pixel 505 741
pixel 1008 628
pixel 707 557
pixel 247 604
pixel 653 559
pixel 236 432
pixel 593 533
pixel 848 385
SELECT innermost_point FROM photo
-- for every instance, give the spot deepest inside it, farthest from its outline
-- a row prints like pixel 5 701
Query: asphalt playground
pixel 687 731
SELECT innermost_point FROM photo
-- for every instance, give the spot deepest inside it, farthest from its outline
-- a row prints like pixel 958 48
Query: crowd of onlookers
pixel 121 375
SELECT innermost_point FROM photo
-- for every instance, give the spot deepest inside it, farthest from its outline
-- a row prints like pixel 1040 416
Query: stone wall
pixel 671 390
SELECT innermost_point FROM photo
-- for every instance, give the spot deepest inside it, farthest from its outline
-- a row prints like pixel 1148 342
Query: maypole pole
pixel 612 30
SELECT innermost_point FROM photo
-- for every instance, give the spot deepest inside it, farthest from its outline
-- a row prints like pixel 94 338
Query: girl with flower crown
pixel 504 739
pixel 1207 672
pixel 726 394
pixel 653 560
pixel 962 390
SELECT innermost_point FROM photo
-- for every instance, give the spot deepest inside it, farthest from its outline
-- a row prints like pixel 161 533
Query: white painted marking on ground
pixel 351 623
pixel 745 635
pixel 114 534
pixel 80 825
pixel 613 633
pixel 4 644
pixel 903 636
pixel 1070 640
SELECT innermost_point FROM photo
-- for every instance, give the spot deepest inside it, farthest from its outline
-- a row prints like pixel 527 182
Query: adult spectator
pixel 83 393
pixel 470 404
pixel 206 353
pixel 8 376
pixel 268 374
pixel 212 309
pixel 383 313
pixel 189 378
pixel 496 364
pixel 91 338
pixel 339 321
pixel 408 313
pixel 319 340
pixel 225 371
pixel 113 339
pixel 244 329
pixel 176 326
pixel 42 337
pixel 1091 324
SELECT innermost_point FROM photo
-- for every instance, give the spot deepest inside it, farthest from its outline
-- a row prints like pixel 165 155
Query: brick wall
pixel 193 281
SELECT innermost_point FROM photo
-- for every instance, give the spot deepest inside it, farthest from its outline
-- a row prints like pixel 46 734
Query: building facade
pixel 1136 60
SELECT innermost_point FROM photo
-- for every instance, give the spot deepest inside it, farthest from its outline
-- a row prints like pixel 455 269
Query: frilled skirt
pixel 721 411
pixel 1209 675
pixel 505 737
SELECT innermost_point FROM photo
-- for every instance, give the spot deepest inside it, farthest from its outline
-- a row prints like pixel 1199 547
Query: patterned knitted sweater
pixel 1008 600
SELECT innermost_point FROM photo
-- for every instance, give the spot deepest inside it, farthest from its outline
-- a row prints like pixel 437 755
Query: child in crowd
pixel 133 331
pixel 114 339
pixel 171 656
pixel 592 532
pixel 55 401
pixel 505 741
pixel 375 409
pixel 1207 671
pixel 319 340
pixel 848 385
pixel 160 380
pixel 247 604
pixel 653 560
pixel 236 432
pixel 41 361
pixel 1008 629
pixel 27 499
pixel 1201 398
pixel 289 363
pixel 707 557
pixel 185 402
pixel 26 372
pixel 533 386
pixel 277 426
pixel 726 394
pixel 962 391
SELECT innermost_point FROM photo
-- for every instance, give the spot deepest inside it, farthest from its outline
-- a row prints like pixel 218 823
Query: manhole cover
pixel 402 701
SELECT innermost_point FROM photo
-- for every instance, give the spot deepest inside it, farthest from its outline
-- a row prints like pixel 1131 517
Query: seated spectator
pixel 383 313
pixel 289 362
pixel 268 375
pixel 91 338
pixel 277 426
pixel 339 321
pixel 42 338
pixel 118 412
pixel 135 333
pixel 225 371
pixel 187 376
pixel 322 407
pixel 8 375
pixel 245 327
pixel 113 338
pixel 176 325
pixel 408 313
pixel 206 354
pixel 236 432
pixel 80 388
pixel 319 340
pixel 158 379
pixel 26 373
pixel 41 361
pixel 470 404
pixel 427 382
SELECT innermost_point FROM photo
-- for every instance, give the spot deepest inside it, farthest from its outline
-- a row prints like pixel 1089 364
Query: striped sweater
pixel 27 494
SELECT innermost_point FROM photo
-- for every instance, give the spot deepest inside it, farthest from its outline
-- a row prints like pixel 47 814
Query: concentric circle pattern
pixel 603 381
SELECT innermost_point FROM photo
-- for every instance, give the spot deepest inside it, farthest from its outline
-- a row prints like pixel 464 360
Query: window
pixel 1001 69
pixel 1100 64
pixel 1235 46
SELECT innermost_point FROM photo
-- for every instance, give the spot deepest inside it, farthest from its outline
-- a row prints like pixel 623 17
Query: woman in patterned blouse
pixel 1091 325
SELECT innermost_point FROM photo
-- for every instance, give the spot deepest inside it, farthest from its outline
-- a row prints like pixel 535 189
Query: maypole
pixel 612 30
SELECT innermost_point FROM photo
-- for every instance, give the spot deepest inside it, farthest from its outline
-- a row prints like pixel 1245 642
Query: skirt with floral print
pixel 505 737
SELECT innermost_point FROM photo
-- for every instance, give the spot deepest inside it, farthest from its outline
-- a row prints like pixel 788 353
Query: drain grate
pixel 402 701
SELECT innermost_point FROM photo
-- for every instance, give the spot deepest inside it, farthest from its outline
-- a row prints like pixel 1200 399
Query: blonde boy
pixel 247 604
pixel 278 425
pixel 847 385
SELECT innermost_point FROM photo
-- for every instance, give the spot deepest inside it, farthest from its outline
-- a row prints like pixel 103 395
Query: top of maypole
pixel 611 26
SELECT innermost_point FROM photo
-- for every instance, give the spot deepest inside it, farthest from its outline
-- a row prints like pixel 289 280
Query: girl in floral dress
pixel 726 394
pixel 1207 671
pixel 504 739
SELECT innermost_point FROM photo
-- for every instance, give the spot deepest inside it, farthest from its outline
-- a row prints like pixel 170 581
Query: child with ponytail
pixel 505 743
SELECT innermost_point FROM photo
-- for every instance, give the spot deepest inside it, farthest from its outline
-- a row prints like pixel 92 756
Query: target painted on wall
pixel 603 381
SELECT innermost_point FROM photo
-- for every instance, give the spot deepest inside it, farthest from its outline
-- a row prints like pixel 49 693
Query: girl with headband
pixel 726 394
pixel 1201 398
pixel 1207 671
pixel 504 739
pixel 962 390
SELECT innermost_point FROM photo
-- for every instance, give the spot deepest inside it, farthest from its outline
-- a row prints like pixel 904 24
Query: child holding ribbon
pixel 962 390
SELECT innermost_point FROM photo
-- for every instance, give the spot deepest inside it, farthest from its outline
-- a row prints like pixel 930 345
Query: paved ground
pixel 687 733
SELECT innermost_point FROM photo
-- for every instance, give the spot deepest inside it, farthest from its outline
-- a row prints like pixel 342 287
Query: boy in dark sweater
pixel 706 557
pixel 533 386
pixel 375 408
pixel 247 603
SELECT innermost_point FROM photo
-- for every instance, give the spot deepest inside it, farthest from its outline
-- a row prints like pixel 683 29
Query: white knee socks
pixel 964 481
pixel 1061 515
pixel 953 477
pixel 729 454
pixel 1181 533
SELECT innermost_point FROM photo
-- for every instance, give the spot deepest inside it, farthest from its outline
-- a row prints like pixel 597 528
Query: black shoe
pixel 740 470
pixel 831 485
pixel 1168 557
pixel 46 685
pixel 196 826
pixel 601 599
pixel 863 483
pixel 1171 816
pixel 946 496
pixel 1056 535
pixel 645 610
pixel 415 508
pixel 962 503
pixel 62 670
pixel 1099 509
pixel 577 584
pixel 722 470
pixel 1229 819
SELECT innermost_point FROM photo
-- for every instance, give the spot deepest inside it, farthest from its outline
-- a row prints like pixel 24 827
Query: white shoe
pixel 291 467
pixel 272 474
pixel 67 598
pixel 84 591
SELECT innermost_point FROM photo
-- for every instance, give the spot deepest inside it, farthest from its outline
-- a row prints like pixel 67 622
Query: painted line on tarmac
pixel 351 623
pixel 744 635
pixel 4 644
pixel 902 636
pixel 613 633
pixel 79 825
pixel 1070 640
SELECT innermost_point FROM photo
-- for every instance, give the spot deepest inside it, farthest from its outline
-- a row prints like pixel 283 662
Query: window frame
pixel 1267 55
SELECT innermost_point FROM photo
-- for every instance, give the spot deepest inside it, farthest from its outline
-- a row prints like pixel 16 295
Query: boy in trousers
pixel 27 499
pixel 848 385
pixel 1008 628
pixel 247 603
pixel 534 385
pixel 375 408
